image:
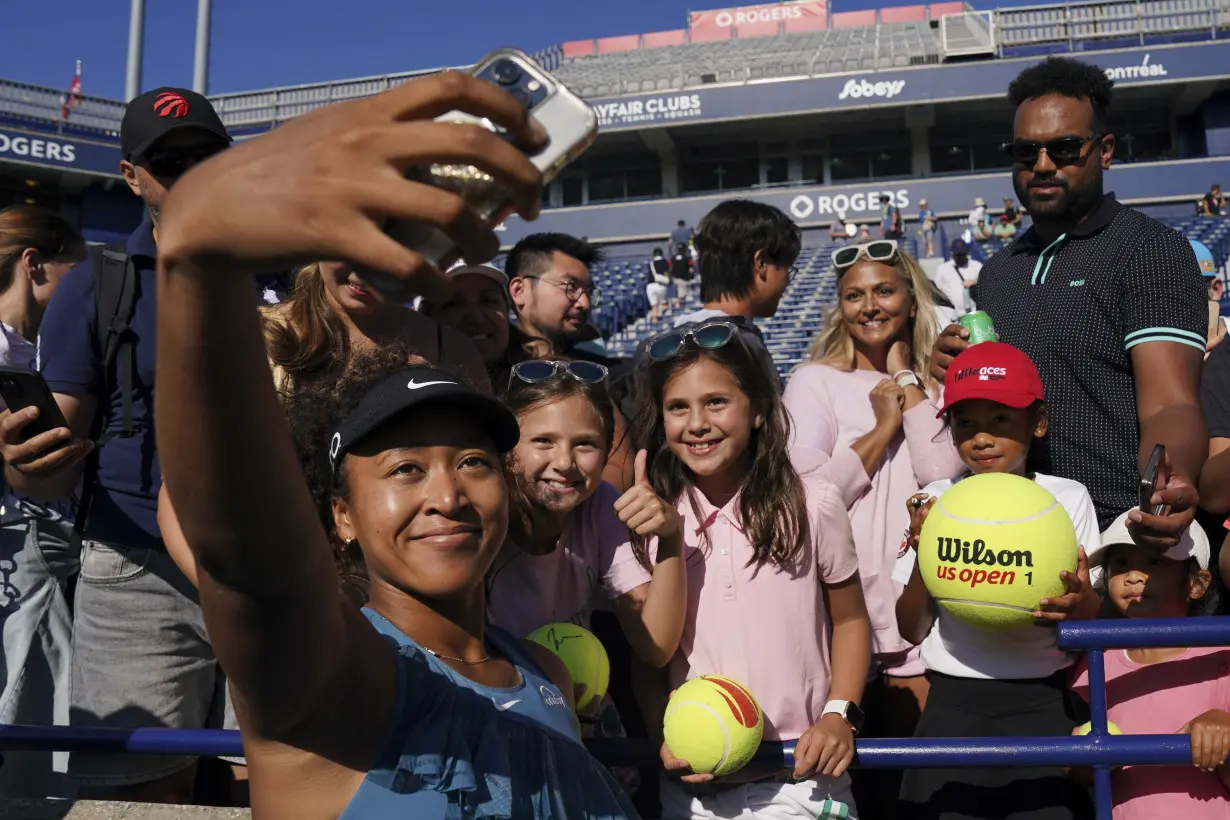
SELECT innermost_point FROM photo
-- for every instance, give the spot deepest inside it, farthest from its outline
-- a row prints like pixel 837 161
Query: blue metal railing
pixel 1098 750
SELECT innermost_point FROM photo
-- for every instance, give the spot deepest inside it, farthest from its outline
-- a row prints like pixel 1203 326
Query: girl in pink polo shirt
pixel 772 573
pixel 1166 691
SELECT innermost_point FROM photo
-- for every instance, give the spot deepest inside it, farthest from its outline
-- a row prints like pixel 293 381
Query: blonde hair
pixel 834 346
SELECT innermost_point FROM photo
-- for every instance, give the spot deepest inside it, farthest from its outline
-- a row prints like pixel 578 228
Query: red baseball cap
pixel 994 371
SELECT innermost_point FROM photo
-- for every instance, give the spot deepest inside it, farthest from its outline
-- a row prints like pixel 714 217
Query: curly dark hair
pixel 1067 78
pixel 773 503
pixel 314 408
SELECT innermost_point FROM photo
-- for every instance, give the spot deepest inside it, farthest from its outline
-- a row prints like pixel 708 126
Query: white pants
pixel 821 798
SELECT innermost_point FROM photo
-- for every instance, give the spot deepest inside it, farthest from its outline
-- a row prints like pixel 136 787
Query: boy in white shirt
pixel 994 683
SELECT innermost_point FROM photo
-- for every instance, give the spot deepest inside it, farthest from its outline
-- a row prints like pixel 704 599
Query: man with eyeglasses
pixel 1108 303
pixel 141 656
pixel 552 291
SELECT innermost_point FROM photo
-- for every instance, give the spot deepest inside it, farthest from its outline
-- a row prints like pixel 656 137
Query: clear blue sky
pixel 264 43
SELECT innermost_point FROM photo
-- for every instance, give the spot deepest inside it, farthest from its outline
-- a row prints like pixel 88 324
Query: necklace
pixel 436 654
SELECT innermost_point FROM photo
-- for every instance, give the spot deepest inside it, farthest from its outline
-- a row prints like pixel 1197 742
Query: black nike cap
pixel 416 387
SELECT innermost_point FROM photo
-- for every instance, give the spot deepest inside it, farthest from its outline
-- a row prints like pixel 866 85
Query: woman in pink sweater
pixel 863 417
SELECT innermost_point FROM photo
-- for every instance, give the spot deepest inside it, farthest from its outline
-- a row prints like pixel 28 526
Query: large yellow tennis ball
pixel 714 723
pixel 582 653
pixel 993 546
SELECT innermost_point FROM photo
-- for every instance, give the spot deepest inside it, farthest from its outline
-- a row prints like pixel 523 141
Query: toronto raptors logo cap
pixel 154 114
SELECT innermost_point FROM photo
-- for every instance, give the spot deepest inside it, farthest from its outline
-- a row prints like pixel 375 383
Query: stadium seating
pixel 735 60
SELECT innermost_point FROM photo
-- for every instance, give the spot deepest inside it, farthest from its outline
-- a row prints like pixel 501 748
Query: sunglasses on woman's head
pixel 708 336
pixel 541 370
pixel 881 250
pixel 1063 151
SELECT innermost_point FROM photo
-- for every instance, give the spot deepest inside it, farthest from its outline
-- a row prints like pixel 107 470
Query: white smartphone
pixel 571 127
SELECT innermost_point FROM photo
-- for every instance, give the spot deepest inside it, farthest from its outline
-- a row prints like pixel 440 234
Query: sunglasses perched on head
pixel 541 370
pixel 1063 151
pixel 709 336
pixel 881 250
pixel 169 163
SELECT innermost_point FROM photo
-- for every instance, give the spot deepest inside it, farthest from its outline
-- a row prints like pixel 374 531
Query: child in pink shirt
pixel 568 550
pixel 772 573
pixel 1164 691
pixel 568 534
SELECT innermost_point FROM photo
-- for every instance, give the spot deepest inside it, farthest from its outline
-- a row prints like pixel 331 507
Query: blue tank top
pixel 458 750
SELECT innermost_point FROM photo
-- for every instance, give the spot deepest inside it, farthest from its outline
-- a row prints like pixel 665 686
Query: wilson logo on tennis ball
pixel 964 553
pixel 742 704
pixel 993 546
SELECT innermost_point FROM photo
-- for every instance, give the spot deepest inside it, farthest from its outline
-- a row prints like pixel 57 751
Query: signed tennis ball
pixel 582 653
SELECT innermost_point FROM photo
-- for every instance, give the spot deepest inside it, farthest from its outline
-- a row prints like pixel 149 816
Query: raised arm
pixel 264 567
pixel 309 190
pixel 650 614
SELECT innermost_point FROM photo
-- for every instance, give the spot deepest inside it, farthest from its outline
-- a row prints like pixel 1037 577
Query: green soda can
pixel 980 327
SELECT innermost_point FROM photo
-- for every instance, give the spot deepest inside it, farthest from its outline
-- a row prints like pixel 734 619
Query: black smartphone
pixel 24 388
pixel 1153 479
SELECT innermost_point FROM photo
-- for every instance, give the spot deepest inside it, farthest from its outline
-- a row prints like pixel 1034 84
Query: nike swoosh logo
pixel 413 385
pixel 504 707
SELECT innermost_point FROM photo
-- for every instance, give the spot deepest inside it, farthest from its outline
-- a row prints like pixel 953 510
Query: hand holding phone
pixel 24 388
pixel 34 437
pixel 571 126
pixel 325 186
pixel 1154 478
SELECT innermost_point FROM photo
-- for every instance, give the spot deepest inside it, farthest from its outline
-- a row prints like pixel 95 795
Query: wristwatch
pixel 848 710
pixel 906 378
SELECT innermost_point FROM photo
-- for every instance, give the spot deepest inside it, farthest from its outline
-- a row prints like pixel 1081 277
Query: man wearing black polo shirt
pixel 1108 303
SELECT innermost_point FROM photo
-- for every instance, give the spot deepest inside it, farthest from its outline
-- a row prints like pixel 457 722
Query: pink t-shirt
pixel 594 552
pixel 1159 699
pixel 829 410
pixel 765 628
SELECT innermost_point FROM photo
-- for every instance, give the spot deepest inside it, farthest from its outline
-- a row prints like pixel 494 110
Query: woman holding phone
pixel 411 706
pixel 37 540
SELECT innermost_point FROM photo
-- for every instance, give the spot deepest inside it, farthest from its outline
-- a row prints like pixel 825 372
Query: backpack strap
pixel 115 286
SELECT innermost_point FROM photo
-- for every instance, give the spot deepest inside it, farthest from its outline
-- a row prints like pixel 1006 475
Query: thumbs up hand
pixel 643 511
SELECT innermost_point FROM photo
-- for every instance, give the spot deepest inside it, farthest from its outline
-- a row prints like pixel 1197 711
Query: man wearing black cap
pixel 141 656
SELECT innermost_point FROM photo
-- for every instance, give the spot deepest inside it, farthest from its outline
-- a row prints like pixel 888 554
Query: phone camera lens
pixel 520 96
pixel 506 72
